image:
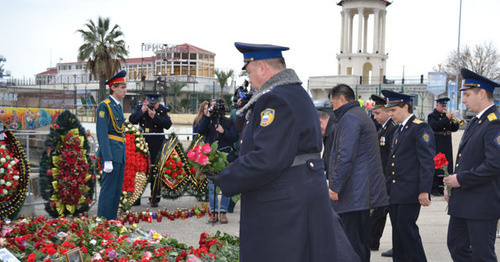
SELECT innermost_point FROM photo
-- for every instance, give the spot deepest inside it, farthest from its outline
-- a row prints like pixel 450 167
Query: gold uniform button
pixel 393 156
pixel 393 173
pixel 241 141
pixel 457 165
pixel 460 155
pixel 311 164
pixel 392 164
pixel 394 181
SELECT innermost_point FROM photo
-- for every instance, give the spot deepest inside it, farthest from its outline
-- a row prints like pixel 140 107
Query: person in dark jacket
pixel 411 169
pixel 443 124
pixel 152 118
pixel 357 181
pixel 385 133
pixel 326 121
pixel 214 126
pixel 474 204
pixel 285 210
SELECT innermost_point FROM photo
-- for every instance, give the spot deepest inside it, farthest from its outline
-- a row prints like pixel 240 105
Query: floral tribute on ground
pixel 39 239
pixel 14 175
pixel 67 177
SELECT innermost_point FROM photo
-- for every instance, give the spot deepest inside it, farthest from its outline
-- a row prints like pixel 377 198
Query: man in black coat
pixel 285 210
pixel 152 118
pixel 357 182
pixel 443 124
pixel 411 170
pixel 385 134
pixel 474 204
pixel 326 121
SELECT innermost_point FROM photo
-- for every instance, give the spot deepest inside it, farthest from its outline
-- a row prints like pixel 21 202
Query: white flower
pixel 16 177
pixel 2 170
pixel 2 181
pixel 12 162
pixel 5 191
pixel 8 183
pixel 93 242
pixel 3 160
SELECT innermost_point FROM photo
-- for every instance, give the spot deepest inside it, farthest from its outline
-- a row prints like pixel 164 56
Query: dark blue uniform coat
pixel 155 125
pixel 411 171
pixel 442 127
pixel 474 207
pixel 110 123
pixel 285 211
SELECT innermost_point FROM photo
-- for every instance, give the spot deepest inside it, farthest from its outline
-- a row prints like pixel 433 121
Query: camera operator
pixel 152 118
pixel 214 126
pixel 240 98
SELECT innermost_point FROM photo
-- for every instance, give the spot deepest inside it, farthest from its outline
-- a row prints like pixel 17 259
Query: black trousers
pixel 377 223
pixel 357 228
pixel 406 240
pixel 472 240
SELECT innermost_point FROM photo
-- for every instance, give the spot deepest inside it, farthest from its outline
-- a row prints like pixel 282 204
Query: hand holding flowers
pixel 205 158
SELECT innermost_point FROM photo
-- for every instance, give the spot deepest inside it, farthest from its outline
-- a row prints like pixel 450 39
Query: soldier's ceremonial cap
pixel 473 80
pixel 395 98
pixel 117 79
pixel 380 102
pixel 442 101
pixel 252 52
pixel 152 98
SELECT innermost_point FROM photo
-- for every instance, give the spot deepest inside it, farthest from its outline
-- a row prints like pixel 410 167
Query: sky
pixel 420 34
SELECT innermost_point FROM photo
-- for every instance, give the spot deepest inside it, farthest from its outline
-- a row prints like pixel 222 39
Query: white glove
pixel 108 166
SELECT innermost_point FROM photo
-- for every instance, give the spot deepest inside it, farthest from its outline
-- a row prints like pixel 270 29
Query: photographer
pixel 214 126
pixel 152 118
pixel 240 99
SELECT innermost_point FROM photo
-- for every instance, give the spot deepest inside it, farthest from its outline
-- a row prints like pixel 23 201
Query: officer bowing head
pixel 380 112
pixel 478 90
pixel 262 61
pixel 400 106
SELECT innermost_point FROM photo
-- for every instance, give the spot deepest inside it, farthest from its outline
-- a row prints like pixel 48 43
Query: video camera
pixel 218 111
pixel 243 93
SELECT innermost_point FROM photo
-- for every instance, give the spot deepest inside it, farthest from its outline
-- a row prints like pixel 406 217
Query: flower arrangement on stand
pixel 39 239
pixel 67 178
pixel 440 162
pixel 14 175
pixel 136 167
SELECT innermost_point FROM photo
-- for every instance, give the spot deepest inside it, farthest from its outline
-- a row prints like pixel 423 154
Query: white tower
pixel 362 21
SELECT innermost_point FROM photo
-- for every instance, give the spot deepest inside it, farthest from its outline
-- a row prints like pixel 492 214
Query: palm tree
pixel 176 89
pixel 103 51
pixel 222 78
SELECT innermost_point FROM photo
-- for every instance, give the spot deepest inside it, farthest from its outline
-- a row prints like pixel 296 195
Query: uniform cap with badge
pixel 380 102
pixel 119 78
pixel 253 52
pixel 473 80
pixel 442 101
pixel 395 98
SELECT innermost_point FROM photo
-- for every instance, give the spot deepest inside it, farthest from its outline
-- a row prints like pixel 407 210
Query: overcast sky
pixel 420 34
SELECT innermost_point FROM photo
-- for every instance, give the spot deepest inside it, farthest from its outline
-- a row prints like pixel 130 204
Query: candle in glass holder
pixel 158 218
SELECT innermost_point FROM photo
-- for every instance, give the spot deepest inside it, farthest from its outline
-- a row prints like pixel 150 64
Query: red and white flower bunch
pixel 206 157
pixel 9 172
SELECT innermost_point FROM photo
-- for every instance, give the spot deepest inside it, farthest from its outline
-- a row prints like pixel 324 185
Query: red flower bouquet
pixel 440 162
pixel 173 172
pixel 206 157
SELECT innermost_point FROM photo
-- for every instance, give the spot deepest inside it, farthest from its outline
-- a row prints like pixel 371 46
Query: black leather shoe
pixel 374 248
pixel 387 253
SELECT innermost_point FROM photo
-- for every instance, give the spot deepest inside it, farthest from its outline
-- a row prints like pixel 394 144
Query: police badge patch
pixel 497 139
pixel 102 114
pixel 426 137
pixel 266 117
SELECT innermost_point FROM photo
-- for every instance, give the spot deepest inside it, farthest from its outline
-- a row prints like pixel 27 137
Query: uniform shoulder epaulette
pixel 492 116
pixel 417 121
pixel 107 101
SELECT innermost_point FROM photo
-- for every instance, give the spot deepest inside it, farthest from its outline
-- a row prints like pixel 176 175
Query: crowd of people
pixel 299 205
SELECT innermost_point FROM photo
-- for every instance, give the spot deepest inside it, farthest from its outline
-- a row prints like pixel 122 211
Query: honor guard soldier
pixel 410 170
pixel 474 204
pixel 385 134
pixel 110 127
pixel 285 209
pixel 152 118
pixel 443 124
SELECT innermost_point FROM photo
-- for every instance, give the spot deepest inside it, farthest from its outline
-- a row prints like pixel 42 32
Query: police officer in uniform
pixel 443 124
pixel 285 209
pixel 109 128
pixel 474 204
pixel 385 134
pixel 411 171
pixel 152 117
